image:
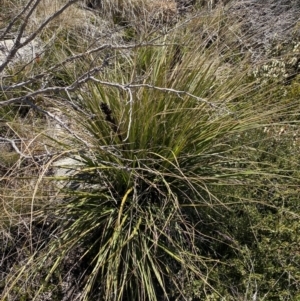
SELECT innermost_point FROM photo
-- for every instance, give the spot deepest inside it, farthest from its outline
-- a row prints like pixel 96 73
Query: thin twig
pixel 28 101
pixel 76 57
pixel 163 89
pixel 130 113
pixel 14 146
pixel 22 155
pixel 18 44
pixel 17 17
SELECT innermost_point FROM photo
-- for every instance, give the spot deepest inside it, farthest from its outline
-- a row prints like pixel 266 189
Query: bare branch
pixel 163 89
pixel 130 113
pixel 75 57
pixel 17 17
pixel 18 44
pixel 22 155
pixel 52 116
pixel 88 76
pixel 14 146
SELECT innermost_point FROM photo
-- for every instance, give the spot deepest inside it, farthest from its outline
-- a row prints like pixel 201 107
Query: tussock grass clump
pixel 185 173
pixel 163 170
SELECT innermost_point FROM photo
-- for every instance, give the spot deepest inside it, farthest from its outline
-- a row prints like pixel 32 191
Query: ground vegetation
pixel 149 150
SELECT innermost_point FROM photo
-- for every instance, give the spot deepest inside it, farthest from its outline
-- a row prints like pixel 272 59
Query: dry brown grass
pixel 141 11
pixel 72 17
pixel 162 11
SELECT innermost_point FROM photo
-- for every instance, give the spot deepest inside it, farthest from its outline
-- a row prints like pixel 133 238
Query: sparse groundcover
pixel 186 168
